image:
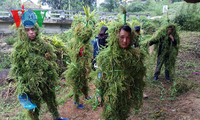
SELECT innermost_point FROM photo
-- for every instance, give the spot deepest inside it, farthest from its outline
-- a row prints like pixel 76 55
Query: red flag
pixel 22 7
pixel 16 17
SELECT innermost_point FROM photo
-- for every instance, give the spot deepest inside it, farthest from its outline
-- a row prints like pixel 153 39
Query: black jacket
pixel 160 46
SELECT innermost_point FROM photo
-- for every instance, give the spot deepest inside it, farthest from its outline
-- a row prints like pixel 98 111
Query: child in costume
pixel 35 70
pixel 80 53
pixel 123 70
pixel 166 42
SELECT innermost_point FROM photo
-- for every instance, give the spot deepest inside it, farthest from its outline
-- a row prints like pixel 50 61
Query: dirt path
pixel 69 110
pixel 187 106
pixel 3 75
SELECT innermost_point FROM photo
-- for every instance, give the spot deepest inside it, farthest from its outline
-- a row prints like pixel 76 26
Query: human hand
pixel 171 37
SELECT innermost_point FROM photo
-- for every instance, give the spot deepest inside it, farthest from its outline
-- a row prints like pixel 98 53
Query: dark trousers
pixel 159 66
pixel 50 99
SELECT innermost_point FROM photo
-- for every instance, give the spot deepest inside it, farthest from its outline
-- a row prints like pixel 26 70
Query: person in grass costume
pixel 137 30
pixel 166 44
pixel 35 70
pixel 80 53
pixel 123 70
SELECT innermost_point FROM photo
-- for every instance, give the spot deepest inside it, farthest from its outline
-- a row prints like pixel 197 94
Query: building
pixel 30 4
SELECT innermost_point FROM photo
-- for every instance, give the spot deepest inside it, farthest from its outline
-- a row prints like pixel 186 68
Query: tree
pixel 69 4
pixel 110 5
pixel 187 16
pixel 2 2
pixel 10 3
pixel 136 6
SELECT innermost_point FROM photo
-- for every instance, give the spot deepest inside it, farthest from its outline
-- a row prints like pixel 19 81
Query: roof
pixel 30 4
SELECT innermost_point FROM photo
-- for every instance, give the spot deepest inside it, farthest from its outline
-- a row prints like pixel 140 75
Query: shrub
pixel 158 10
pixel 60 51
pixel 11 39
pixel 156 6
pixel 143 19
pixel 135 7
pixel 187 16
pixel 159 22
pixel 134 23
pixel 179 87
pixel 4 61
pixel 147 26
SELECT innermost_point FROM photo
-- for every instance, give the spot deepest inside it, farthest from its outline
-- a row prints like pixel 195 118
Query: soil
pixel 70 111
pixel 3 76
pixel 183 107
pixel 186 106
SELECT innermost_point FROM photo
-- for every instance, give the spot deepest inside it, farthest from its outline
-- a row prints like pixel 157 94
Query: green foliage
pixel 147 3
pixel 10 3
pixel 60 51
pixel 4 61
pixel 121 85
pixel 168 49
pixel 134 23
pixel 160 22
pixel 147 25
pixel 110 5
pixel 33 64
pixel 11 39
pixel 155 7
pixel 158 9
pixel 136 6
pixel 186 15
pixel 76 74
pixel 68 35
pixel 69 4
pixel 88 14
pixel 34 70
pixel 179 87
